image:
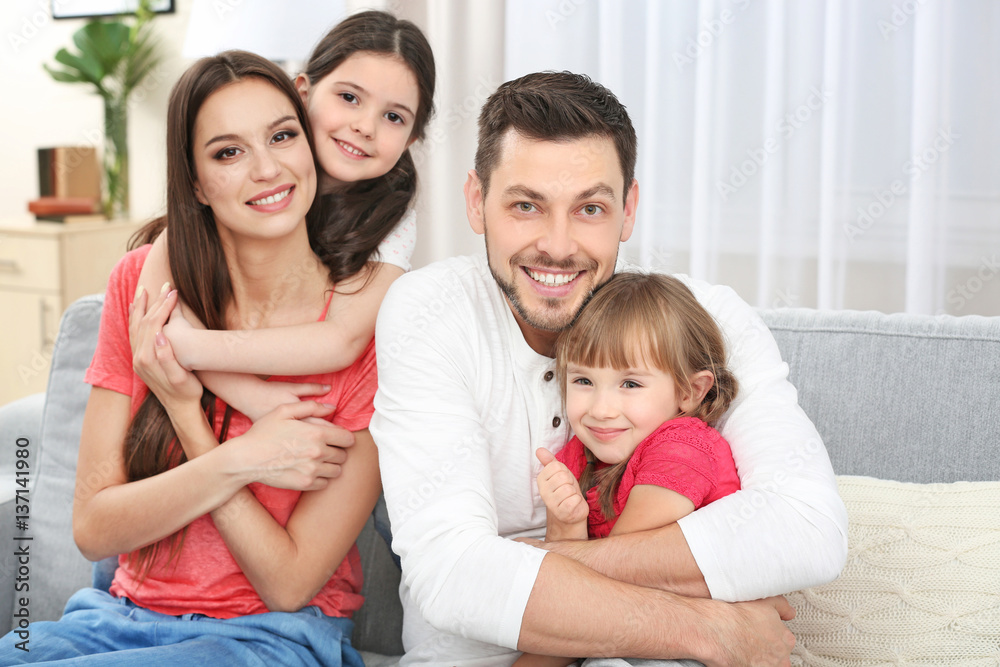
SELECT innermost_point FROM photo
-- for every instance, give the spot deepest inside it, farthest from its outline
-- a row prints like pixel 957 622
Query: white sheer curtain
pixel 834 155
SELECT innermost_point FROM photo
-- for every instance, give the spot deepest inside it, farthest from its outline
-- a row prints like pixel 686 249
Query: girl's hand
pixel 560 490
pixel 178 331
pixel 293 448
pixel 152 356
pixel 255 397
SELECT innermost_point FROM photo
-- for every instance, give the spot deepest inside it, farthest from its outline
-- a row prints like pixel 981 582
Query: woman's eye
pixel 592 209
pixel 283 135
pixel 227 153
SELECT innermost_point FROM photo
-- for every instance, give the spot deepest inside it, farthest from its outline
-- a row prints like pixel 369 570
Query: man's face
pixel 553 219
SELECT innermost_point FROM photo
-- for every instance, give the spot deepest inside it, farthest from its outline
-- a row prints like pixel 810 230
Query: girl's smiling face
pixel 362 116
pixel 613 410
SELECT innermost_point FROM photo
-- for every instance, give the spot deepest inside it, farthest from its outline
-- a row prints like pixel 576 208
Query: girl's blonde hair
pixel 654 319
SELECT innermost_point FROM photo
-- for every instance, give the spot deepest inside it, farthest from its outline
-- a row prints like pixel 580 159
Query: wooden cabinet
pixel 44 267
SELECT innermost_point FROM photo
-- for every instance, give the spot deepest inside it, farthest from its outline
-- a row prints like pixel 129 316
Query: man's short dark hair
pixel 554 106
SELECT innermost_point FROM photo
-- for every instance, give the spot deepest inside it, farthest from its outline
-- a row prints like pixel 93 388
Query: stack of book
pixel 69 185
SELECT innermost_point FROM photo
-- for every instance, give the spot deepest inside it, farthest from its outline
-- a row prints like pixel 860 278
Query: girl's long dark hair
pixel 358 218
pixel 652 318
pixel 197 261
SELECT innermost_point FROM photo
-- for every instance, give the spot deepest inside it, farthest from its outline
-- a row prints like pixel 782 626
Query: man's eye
pixel 592 209
pixel 525 207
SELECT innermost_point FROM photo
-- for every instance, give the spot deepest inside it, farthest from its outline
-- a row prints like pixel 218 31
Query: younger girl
pixel 368 89
pixel 644 374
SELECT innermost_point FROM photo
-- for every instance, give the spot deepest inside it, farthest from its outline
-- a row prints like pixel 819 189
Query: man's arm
pixel 575 611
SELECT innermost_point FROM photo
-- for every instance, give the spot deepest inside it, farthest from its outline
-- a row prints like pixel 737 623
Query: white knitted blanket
pixel 922 580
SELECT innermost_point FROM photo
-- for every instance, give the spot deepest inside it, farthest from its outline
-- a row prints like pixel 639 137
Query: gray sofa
pixel 895 397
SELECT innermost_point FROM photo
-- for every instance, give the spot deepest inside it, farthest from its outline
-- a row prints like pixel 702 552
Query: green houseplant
pixel 115 56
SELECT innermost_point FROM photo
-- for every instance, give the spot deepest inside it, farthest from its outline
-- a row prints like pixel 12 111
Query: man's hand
pixel 560 491
pixel 749 634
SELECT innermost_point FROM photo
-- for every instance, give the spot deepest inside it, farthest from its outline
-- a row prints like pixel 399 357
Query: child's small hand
pixel 560 490
pixel 178 331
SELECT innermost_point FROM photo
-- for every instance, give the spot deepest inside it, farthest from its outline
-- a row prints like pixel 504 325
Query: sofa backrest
pixel 905 397
pixel 61 569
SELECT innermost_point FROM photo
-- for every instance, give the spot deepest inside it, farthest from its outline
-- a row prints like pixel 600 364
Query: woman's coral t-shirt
pixel 205 578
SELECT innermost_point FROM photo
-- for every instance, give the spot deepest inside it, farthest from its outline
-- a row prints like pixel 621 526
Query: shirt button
pixel 556 421
pixel 548 376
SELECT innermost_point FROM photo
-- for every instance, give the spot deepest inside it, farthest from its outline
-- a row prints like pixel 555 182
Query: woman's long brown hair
pixel 652 318
pixel 197 262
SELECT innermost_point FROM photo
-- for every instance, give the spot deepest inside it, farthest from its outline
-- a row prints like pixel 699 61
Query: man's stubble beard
pixel 508 289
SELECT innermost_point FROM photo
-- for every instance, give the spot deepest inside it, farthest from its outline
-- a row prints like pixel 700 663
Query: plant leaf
pixel 145 55
pixel 87 69
pixel 105 42
pixel 65 76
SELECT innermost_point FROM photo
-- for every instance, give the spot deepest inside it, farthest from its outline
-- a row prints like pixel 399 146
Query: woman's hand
pixel 152 356
pixel 292 447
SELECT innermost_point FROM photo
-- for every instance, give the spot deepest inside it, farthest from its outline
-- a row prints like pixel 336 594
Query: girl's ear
pixel 701 382
pixel 302 85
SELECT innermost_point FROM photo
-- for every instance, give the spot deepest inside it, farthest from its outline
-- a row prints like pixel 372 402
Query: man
pixel 466 395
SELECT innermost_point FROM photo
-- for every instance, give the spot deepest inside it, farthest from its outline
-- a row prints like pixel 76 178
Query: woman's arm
pixel 113 516
pixel 303 349
pixel 287 566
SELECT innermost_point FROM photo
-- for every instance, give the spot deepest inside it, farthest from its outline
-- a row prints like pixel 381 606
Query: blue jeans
pixel 98 629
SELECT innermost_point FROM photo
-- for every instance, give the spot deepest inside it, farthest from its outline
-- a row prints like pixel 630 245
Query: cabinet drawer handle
pixel 8 265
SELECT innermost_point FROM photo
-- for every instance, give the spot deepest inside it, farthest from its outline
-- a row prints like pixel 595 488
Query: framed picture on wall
pixel 75 9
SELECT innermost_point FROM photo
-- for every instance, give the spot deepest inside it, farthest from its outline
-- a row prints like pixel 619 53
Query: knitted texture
pixel 922 580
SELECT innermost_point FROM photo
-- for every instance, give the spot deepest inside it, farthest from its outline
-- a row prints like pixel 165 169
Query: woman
pixel 226 560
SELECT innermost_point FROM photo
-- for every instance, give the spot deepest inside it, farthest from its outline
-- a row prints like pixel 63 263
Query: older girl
pixel 368 88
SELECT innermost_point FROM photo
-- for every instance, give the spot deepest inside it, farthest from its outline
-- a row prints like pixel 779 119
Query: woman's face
pixel 252 162
pixel 362 116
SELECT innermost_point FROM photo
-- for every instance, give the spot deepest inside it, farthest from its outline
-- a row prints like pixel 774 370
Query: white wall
pixel 37 111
